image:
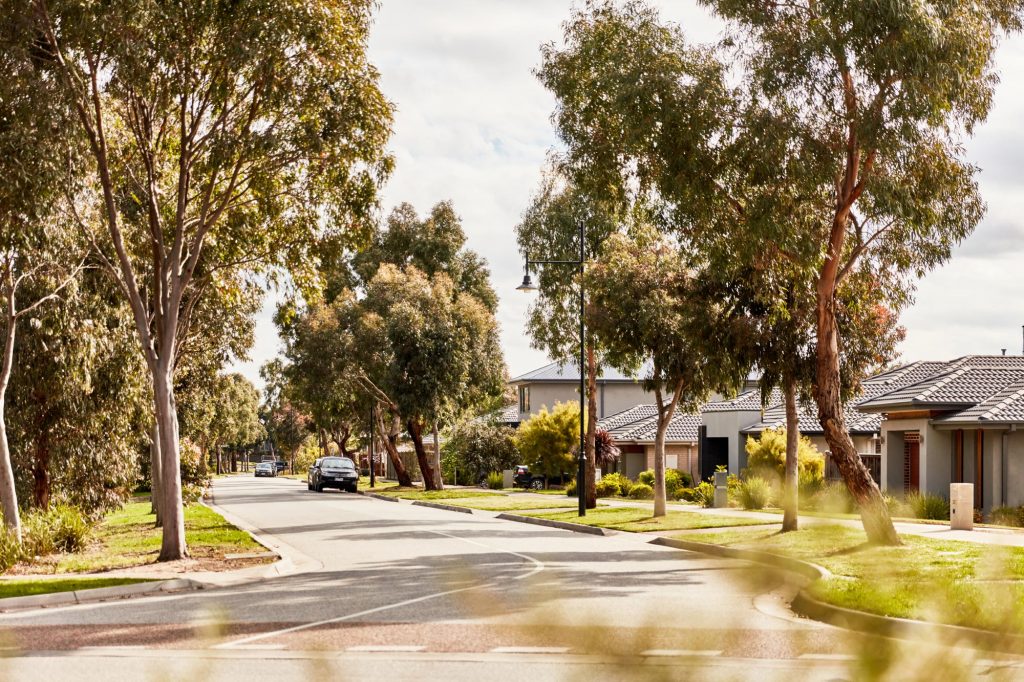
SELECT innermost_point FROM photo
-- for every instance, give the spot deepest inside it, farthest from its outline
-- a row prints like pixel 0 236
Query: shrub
pixel 61 528
pixel 896 506
pixel 475 448
pixel 768 454
pixel 755 493
pixel 191 493
pixel 641 491
pixel 570 490
pixel 833 498
pixel 928 506
pixel 673 484
pixel 686 494
pixel 704 494
pixel 623 484
pixel 495 480
pixel 1008 516
pixel 646 477
pixel 605 488
pixel 10 551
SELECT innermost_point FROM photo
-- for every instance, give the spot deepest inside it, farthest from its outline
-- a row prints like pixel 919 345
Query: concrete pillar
pixel 721 489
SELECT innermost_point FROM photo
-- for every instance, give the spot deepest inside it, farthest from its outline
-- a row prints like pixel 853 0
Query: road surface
pixel 394 591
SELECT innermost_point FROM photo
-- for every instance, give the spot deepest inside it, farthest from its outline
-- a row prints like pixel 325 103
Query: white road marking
pixel 261 647
pixel 530 650
pixel 538 566
pixel 390 648
pixel 681 652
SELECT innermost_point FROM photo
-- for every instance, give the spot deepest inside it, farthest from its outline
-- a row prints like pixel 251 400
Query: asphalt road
pixel 394 591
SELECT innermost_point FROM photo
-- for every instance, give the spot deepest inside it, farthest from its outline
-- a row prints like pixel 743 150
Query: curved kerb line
pixel 538 566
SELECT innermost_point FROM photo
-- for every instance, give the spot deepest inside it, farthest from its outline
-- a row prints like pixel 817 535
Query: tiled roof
pixel 1006 406
pixel 964 385
pixel 625 418
pixel 570 371
pixel 748 400
pixel 640 423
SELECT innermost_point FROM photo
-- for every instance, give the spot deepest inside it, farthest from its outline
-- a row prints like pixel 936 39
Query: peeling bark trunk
pixel 873 512
pixel 790 488
pixel 155 466
pixel 8 493
pixel 390 440
pixel 591 428
pixel 666 411
pixel 431 475
pixel 437 454
pixel 172 546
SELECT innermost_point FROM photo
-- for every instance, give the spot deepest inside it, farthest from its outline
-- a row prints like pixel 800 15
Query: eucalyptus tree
pixel 882 100
pixel 77 402
pixel 836 149
pixel 429 351
pixel 549 230
pixel 647 306
pixel 233 137
pixel 40 171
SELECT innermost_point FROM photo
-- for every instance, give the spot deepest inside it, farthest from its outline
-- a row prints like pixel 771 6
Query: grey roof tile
pixel 625 418
pixel 640 423
pixel 965 384
pixel 1004 407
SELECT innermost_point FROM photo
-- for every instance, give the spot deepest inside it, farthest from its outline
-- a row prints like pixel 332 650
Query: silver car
pixel 266 469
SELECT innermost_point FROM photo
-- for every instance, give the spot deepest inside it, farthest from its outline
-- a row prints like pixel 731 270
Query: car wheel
pixel 353 489
pixel 536 484
pixel 309 486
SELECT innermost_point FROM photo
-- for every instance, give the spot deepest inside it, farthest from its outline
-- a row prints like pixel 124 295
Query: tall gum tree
pixel 232 136
pixel 658 314
pixel 868 108
pixel 885 98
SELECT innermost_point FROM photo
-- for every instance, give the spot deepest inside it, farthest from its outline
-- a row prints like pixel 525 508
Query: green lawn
pixel 509 503
pixel 24 588
pixel 639 519
pixel 127 537
pixel 958 583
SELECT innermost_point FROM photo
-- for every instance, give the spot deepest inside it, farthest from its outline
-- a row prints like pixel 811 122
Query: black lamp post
pixel 527 285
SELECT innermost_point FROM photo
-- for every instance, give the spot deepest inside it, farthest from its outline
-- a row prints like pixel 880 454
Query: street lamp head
pixel 527 284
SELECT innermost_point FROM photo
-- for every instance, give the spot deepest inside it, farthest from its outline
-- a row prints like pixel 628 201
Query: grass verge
pixel 508 503
pixel 127 537
pixel 27 588
pixel 639 519
pixel 943 581
pixel 420 494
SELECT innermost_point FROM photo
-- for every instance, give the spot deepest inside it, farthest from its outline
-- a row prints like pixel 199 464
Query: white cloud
pixel 473 126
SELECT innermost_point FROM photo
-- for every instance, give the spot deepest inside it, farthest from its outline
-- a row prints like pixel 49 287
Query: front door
pixel 911 466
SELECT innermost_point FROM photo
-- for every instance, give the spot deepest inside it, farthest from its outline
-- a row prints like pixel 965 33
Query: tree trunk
pixel 790 488
pixel 173 545
pixel 591 434
pixel 660 502
pixel 390 440
pixel 41 470
pixel 8 493
pixel 437 454
pixel 431 475
pixel 873 512
pixel 155 467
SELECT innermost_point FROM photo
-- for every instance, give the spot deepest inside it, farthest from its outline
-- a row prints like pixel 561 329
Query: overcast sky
pixel 473 126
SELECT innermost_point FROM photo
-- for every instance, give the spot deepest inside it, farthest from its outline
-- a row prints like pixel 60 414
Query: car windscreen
pixel 338 463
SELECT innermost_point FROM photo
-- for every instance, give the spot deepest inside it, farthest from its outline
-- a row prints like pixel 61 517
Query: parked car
pixel 333 472
pixel 266 469
pixel 280 464
pixel 524 479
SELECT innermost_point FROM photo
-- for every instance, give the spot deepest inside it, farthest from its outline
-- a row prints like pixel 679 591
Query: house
pixel 959 421
pixel 560 383
pixel 634 431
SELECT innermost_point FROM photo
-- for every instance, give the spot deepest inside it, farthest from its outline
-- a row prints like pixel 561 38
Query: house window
pixel 524 399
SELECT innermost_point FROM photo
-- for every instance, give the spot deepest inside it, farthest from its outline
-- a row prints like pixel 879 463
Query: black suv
pixel 524 479
pixel 333 472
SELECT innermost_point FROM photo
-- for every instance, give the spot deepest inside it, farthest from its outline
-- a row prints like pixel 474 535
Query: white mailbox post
pixel 508 478
pixel 721 489
pixel 961 506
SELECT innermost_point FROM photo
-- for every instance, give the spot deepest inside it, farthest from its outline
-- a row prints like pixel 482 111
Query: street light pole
pixel 527 285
